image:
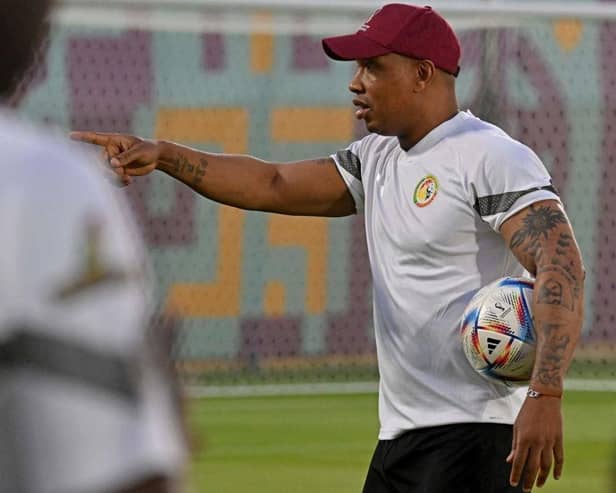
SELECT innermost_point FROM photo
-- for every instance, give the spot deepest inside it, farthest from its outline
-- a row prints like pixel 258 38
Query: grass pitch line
pixel 339 388
pixel 581 384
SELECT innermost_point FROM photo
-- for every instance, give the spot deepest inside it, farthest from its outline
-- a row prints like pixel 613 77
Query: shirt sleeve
pixel 349 164
pixel 508 178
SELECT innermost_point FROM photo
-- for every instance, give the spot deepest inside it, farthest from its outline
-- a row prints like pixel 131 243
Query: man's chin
pixel 374 128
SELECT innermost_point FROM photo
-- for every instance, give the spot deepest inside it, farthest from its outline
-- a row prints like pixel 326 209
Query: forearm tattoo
pixel 555 346
pixel 192 173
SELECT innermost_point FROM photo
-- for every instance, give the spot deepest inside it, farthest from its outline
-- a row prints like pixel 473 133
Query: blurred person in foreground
pixel 451 203
pixel 85 404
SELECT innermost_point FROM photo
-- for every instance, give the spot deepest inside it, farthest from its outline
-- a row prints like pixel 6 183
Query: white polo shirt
pixel 83 405
pixel 432 217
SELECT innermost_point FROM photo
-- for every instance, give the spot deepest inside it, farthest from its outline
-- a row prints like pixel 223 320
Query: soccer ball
pixel 498 335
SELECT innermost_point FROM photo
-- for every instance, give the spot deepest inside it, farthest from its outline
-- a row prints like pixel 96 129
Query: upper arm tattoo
pixel 538 224
pixel 554 252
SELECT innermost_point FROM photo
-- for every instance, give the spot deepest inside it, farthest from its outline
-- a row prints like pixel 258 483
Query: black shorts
pixel 459 458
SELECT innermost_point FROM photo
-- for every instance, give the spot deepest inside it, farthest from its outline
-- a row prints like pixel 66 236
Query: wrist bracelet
pixel 534 394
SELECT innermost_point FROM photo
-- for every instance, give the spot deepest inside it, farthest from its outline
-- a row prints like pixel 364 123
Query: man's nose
pixel 355 85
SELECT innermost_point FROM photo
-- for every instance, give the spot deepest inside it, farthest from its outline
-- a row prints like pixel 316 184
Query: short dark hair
pixel 23 27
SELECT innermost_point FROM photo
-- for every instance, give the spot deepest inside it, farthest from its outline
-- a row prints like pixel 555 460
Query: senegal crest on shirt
pixel 425 191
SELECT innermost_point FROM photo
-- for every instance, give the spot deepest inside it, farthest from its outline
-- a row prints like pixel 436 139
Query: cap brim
pixel 352 47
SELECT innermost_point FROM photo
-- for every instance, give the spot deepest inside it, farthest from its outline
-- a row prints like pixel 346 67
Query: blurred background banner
pixel 281 300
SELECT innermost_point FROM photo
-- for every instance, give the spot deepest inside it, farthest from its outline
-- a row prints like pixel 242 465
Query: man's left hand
pixel 537 438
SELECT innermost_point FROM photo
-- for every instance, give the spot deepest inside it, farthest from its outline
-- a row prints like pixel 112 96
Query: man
pixel 451 203
pixel 85 405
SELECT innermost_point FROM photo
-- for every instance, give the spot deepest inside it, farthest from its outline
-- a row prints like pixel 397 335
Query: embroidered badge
pixel 425 191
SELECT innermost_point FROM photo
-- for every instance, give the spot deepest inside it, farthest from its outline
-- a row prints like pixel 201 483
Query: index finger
pixel 98 138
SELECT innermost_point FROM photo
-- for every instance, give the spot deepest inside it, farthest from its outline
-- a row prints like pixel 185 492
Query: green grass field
pixel 323 444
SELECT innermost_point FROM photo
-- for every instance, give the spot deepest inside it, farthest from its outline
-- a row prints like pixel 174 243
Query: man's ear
pixel 425 72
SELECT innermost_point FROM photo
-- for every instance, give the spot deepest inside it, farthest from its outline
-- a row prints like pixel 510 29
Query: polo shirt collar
pixel 445 129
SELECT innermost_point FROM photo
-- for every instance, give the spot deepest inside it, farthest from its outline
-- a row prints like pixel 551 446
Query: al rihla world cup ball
pixel 498 335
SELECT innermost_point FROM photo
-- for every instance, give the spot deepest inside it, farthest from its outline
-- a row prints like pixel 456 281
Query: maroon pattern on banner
pixel 109 78
pixel 269 338
pixel 605 274
pixel 308 54
pixel 174 227
pixel 350 332
pixel 543 127
pixel 214 52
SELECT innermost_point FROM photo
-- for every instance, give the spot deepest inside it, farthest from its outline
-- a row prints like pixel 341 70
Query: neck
pixel 429 121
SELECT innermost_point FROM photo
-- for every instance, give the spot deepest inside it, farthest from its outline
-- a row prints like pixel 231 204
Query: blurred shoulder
pixel 43 157
pixel 58 186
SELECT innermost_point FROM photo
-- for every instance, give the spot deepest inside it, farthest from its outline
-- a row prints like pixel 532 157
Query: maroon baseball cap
pixel 416 32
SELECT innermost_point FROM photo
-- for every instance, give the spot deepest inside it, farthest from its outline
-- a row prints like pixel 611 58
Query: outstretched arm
pixel 312 187
pixel 540 236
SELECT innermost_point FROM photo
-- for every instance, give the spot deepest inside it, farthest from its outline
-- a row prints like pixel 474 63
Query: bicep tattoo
pixel 542 242
pixel 537 226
